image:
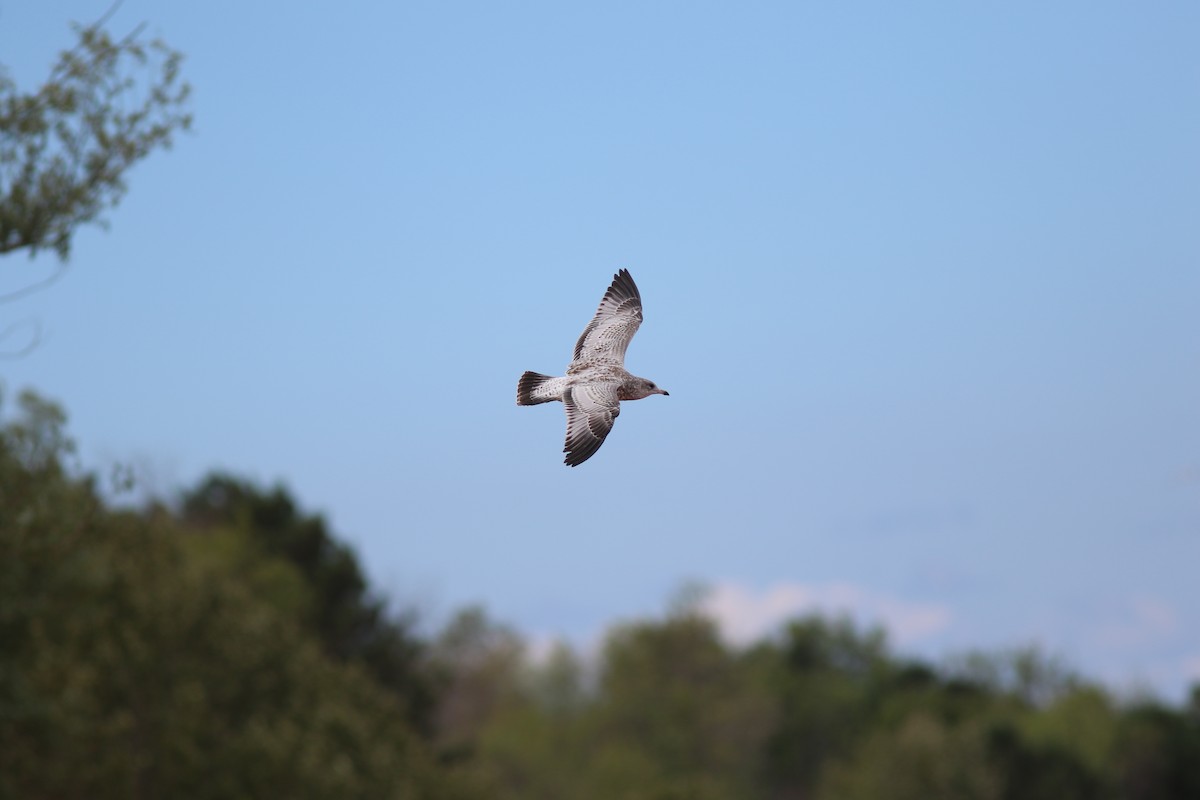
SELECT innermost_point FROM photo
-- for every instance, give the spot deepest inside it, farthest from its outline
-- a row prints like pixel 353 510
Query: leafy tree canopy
pixel 231 646
pixel 66 148
pixel 130 667
pixel 337 606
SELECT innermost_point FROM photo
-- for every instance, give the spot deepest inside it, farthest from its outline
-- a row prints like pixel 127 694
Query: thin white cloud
pixel 745 614
pixel 1142 621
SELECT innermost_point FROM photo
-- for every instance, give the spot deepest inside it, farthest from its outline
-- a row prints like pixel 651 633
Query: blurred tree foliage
pixel 822 711
pixel 230 646
pixel 136 665
pixel 65 149
pixel 256 531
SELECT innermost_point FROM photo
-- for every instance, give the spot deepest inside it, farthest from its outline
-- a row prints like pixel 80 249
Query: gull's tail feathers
pixel 528 386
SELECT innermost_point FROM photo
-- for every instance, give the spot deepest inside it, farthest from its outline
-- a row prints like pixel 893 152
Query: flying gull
pixel 596 381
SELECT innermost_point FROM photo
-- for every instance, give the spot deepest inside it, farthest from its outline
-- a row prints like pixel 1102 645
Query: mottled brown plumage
pixel 596 380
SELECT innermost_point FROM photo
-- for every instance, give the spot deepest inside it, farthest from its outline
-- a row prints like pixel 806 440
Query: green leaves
pixel 65 149
pixel 133 664
pixel 232 647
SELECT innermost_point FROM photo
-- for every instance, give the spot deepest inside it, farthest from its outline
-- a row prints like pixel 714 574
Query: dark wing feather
pixel 591 410
pixel 608 334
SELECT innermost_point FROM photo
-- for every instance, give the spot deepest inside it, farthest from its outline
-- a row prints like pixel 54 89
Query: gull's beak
pixel 665 393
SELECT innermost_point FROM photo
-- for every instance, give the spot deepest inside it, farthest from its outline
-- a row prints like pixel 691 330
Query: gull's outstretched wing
pixel 591 410
pixel 616 321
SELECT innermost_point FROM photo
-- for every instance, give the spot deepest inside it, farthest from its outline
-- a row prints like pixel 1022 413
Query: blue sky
pixel 922 281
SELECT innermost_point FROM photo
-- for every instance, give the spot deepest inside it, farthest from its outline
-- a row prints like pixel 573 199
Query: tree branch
pixel 30 346
pixel 44 283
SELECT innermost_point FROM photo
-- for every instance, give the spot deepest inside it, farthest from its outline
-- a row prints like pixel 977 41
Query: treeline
pixel 228 645
pixel 226 648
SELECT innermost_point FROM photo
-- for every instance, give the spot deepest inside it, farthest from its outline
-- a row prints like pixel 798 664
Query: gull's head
pixel 648 388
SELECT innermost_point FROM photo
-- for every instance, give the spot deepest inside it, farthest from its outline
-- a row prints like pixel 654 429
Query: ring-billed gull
pixel 596 381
